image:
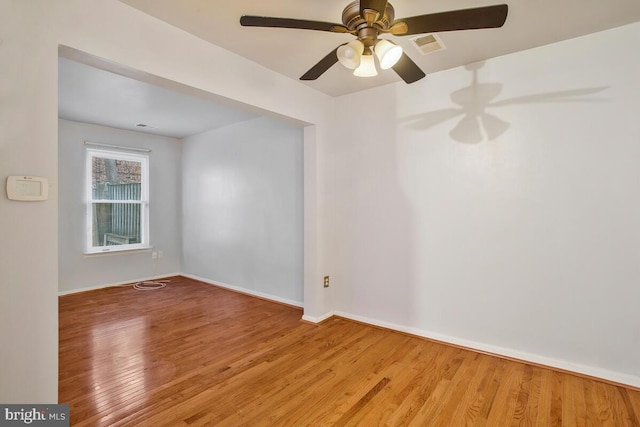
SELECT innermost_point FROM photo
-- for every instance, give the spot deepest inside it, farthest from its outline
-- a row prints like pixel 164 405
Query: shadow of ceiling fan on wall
pixel 367 20
pixel 474 102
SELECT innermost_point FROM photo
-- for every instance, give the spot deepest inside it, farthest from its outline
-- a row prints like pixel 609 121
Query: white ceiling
pixel 122 99
pixel 92 95
pixel 530 23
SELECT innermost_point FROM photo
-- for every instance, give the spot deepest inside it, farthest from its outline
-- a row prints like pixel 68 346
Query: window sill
pixel 117 252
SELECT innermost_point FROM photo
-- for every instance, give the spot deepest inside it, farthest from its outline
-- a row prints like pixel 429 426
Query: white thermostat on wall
pixel 27 188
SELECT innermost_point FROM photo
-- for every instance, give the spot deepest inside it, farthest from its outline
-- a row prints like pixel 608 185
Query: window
pixel 117 201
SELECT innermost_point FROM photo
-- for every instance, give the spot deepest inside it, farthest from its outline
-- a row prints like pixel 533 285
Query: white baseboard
pixel 245 290
pixel 591 371
pixel 109 285
pixel 319 319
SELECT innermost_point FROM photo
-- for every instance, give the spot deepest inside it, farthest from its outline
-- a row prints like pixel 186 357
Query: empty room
pixel 346 213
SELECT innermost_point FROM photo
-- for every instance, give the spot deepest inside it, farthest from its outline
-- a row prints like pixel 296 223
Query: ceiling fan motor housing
pixel 352 19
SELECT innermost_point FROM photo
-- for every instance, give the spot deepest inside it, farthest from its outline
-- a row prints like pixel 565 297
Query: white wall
pixel 78 271
pixel 28 254
pixel 30 33
pixel 521 237
pixel 242 208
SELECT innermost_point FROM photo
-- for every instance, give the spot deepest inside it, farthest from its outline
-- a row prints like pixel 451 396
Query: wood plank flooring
pixel 192 354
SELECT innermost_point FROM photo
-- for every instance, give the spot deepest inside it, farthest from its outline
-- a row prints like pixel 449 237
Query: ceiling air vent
pixel 146 126
pixel 428 43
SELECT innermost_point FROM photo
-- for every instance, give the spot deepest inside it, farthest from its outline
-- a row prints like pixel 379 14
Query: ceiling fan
pixel 367 20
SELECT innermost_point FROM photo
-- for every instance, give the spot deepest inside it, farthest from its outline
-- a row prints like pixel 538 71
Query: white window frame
pixel 143 159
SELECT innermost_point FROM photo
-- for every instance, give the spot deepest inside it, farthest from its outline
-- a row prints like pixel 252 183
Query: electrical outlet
pixel 154 255
pixel 326 281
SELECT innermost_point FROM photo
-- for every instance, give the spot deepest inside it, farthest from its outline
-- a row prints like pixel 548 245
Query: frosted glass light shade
pixel 349 54
pixel 388 53
pixel 367 67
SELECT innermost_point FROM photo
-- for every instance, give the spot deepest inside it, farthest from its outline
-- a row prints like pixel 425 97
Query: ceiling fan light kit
pixel 353 56
pixel 367 20
pixel 367 67
pixel 349 54
pixel 388 53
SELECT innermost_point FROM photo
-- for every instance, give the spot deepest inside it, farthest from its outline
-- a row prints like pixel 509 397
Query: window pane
pixel 113 179
pixel 116 224
pixel 117 209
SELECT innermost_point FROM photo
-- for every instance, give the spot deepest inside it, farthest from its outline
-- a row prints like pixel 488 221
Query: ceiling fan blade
pixel 302 24
pixel 408 70
pixel 323 65
pixel 465 19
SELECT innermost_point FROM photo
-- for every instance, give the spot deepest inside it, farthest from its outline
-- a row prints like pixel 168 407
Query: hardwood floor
pixel 193 354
